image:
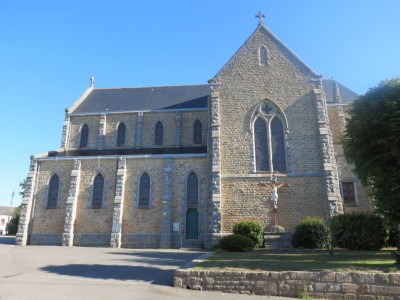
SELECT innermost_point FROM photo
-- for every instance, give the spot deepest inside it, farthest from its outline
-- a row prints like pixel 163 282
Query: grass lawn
pixel 318 260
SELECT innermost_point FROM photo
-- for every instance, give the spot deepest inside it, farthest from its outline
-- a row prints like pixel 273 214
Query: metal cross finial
pixel 260 15
pixel 92 81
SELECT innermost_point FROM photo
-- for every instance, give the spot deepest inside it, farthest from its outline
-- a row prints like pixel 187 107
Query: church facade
pixel 177 166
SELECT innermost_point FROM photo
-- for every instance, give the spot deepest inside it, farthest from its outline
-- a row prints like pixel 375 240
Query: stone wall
pixel 295 90
pixel 319 285
pixel 244 200
pixel 141 227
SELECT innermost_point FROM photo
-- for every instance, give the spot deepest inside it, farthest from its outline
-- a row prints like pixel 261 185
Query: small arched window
pixel 158 133
pixel 121 134
pixel 54 186
pixel 261 145
pixel 192 188
pixel 198 132
pixel 263 56
pixel 144 190
pixel 84 135
pixel 98 191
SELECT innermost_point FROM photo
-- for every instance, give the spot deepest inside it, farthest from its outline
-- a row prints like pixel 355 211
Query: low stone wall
pixel 320 285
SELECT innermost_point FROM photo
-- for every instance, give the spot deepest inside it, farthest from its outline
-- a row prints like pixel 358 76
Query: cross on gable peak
pixel 260 17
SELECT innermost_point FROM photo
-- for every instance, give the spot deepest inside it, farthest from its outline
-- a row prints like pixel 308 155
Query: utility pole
pixel 9 214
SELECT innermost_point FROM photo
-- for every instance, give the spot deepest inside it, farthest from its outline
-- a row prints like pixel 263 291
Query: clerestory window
pixel 52 197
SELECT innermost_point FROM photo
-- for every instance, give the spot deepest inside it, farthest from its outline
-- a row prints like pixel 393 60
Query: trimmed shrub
pixel 236 243
pixel 251 229
pixel 312 233
pixel 359 231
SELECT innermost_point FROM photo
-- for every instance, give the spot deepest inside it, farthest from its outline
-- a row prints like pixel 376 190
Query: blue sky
pixel 49 49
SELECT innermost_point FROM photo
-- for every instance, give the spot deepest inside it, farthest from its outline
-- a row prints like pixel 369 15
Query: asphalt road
pixel 51 272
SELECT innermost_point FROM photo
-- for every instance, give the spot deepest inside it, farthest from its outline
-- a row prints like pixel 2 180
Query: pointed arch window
pixel 121 134
pixel 54 186
pixel 198 132
pixel 261 145
pixel 84 135
pixel 158 133
pixel 98 191
pixel 263 56
pixel 278 145
pixel 144 190
pixel 269 139
pixel 192 188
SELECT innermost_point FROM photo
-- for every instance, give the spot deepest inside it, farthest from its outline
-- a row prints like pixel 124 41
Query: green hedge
pixel 359 231
pixel 236 242
pixel 251 229
pixel 312 233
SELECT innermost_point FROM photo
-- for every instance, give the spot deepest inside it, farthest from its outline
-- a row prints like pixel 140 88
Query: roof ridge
pixel 154 86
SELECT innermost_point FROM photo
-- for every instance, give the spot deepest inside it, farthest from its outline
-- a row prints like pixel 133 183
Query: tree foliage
pixel 13 225
pixel 372 144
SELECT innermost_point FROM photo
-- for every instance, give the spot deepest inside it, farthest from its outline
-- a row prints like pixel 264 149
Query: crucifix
pixel 274 197
pixel 260 15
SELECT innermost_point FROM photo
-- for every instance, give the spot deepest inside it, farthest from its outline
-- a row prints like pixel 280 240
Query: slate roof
pixel 145 99
pixel 346 94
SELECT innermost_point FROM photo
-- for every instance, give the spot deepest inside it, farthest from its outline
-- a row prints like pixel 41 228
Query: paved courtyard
pixel 50 272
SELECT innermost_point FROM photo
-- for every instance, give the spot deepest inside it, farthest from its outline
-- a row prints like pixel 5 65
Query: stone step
pixel 275 240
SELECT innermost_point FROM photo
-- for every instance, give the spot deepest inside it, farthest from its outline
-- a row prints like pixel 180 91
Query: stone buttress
pixel 70 206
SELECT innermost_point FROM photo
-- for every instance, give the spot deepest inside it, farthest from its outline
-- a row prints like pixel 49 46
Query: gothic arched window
pixel 54 186
pixel 261 145
pixel 158 133
pixel 84 135
pixel 192 188
pixel 269 138
pixel 263 56
pixel 278 145
pixel 121 134
pixel 198 132
pixel 98 191
pixel 144 190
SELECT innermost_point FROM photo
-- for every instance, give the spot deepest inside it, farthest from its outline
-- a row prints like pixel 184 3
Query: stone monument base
pixel 277 239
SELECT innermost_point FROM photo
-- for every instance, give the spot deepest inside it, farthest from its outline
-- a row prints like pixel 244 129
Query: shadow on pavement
pixel 176 259
pixel 117 272
pixel 7 239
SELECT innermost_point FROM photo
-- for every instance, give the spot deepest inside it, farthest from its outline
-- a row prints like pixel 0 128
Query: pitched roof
pixel 144 99
pixel 346 94
pixel 5 210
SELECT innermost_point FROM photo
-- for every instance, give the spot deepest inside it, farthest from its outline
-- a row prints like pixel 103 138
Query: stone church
pixel 177 166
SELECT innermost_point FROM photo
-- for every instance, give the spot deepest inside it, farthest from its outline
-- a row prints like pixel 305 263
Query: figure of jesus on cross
pixel 274 197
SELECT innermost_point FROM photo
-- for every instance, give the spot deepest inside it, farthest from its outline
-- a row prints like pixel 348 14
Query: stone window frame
pixel 354 183
pixel 195 141
pixel 47 191
pixel 186 204
pixel 268 116
pixel 91 191
pixel 151 200
pixel 261 60
pixel 117 129
pixel 80 136
pixel 156 141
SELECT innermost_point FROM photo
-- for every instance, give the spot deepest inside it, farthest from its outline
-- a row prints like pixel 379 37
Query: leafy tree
pixel 22 185
pixel 13 225
pixel 372 144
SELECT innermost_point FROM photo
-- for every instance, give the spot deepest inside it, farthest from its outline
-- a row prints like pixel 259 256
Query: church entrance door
pixel 192 224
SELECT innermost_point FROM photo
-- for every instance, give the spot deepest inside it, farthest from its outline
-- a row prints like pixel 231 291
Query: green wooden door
pixel 192 224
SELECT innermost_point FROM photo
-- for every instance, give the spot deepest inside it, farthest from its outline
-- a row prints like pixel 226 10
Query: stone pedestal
pixel 277 240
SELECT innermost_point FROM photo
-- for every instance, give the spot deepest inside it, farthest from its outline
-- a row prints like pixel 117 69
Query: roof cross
pixel 260 15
